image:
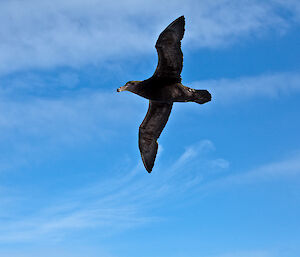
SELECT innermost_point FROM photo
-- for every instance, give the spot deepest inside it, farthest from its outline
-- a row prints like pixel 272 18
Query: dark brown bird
pixel 163 89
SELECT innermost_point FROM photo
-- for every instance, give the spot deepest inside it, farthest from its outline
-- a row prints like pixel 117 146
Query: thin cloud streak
pixel 192 151
pixel 122 202
pixel 31 125
pixel 127 199
pixel 288 168
pixel 237 90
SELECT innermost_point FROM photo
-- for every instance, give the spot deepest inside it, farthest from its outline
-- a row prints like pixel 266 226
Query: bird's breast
pixel 162 93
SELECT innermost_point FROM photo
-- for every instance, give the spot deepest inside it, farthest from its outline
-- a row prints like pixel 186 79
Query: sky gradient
pixel 227 175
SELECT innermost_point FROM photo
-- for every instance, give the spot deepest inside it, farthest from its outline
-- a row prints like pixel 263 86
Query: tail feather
pixel 202 96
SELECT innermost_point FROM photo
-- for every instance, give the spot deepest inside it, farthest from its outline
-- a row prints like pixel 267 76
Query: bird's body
pixel 168 92
pixel 163 89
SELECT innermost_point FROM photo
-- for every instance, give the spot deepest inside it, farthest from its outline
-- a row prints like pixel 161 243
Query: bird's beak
pixel 120 89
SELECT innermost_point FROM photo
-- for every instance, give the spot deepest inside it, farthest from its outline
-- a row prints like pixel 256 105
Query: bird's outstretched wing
pixel 150 130
pixel 170 57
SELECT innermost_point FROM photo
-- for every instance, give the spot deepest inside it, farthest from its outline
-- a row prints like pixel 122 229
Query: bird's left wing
pixel 150 130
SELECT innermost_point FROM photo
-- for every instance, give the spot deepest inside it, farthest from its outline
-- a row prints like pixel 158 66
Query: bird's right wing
pixel 168 46
pixel 150 130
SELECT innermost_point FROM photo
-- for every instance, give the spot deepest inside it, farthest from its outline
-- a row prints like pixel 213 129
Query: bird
pixel 162 89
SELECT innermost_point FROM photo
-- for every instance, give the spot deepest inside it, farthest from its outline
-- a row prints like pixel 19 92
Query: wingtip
pixel 181 18
pixel 177 25
pixel 146 165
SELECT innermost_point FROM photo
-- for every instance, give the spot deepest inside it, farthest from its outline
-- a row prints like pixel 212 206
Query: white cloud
pixel 39 34
pixel 293 6
pixel 220 163
pixel 240 89
pixel 35 116
pixel 193 151
pixel 32 126
pixel 126 199
pixel 287 168
pixel 123 201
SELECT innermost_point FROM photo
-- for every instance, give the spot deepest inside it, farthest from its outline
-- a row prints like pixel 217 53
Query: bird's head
pixel 129 85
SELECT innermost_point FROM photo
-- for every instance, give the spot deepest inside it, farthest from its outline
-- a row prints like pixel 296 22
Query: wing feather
pixel 150 130
pixel 168 46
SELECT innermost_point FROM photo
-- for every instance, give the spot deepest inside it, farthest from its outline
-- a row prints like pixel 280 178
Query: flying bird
pixel 162 89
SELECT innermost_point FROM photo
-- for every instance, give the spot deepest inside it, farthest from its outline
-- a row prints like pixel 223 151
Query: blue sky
pixel 226 179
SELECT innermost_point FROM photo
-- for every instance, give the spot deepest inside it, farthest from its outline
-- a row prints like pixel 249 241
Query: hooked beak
pixel 120 89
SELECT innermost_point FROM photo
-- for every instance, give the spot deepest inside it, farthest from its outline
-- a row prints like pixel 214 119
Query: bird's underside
pixel 163 89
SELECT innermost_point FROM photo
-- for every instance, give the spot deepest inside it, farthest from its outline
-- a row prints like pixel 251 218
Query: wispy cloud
pixel 275 85
pixel 123 201
pixel 126 200
pixel 287 168
pixel 40 34
pixel 293 6
pixel 193 151
pixel 31 83
pixel 31 124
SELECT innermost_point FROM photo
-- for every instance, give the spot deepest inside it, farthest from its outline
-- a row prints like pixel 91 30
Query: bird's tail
pixel 202 96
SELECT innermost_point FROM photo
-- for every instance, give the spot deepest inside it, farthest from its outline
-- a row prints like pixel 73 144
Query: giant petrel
pixel 163 89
